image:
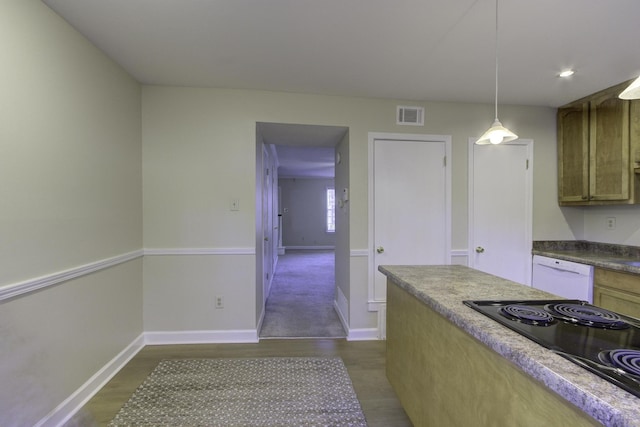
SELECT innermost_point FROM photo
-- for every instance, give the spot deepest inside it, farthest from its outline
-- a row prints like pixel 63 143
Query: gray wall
pixel 303 208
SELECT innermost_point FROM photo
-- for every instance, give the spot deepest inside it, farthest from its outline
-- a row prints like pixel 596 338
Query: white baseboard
pixel 364 334
pixel 342 306
pixel 368 334
pixel 67 409
pixel 336 306
pixel 261 320
pixel 201 337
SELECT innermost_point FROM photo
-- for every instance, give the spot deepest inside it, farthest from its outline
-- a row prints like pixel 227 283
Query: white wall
pixel 70 196
pixel 304 206
pixel 199 151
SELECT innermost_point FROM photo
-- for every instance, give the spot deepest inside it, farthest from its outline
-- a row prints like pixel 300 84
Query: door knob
pixel 479 249
pixel 379 249
pixel 266 239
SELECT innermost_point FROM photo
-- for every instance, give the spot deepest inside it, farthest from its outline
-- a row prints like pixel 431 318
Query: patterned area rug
pixel 299 391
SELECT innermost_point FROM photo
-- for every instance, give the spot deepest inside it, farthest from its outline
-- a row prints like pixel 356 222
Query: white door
pixel 411 205
pixel 500 209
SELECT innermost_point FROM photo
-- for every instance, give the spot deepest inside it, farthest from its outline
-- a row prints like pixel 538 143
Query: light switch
pixel 235 205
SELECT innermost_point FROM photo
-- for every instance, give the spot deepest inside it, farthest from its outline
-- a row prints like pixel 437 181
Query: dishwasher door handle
pixel 558 269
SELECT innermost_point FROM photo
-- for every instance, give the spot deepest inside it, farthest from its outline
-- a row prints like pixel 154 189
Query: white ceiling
pixel 422 50
pixel 440 50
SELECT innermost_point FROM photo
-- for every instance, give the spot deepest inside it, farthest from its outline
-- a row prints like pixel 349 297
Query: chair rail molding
pixel 16 289
pixel 199 251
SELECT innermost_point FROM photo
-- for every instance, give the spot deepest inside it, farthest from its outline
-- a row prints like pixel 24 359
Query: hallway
pixel 300 304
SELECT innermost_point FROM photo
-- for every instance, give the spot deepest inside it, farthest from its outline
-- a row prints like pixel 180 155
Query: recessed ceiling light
pixel 566 73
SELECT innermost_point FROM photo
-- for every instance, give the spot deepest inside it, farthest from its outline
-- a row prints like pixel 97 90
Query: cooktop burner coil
pixel 527 314
pixel 626 359
pixel 587 315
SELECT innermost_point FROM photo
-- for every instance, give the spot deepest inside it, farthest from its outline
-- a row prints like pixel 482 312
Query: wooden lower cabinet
pixel 617 291
pixel 445 377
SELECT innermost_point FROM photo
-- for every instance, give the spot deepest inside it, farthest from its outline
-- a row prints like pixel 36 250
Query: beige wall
pixel 70 195
pixel 180 291
pixel 199 151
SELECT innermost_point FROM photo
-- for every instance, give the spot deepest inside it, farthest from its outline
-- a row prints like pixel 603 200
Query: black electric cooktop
pixel 604 342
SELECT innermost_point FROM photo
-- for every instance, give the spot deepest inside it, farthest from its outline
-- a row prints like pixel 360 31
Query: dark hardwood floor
pixel 365 361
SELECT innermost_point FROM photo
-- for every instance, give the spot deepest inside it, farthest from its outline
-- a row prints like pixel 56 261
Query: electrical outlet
pixel 219 302
pixel 611 223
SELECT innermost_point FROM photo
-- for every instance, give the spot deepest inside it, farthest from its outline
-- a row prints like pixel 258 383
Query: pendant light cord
pixel 496 102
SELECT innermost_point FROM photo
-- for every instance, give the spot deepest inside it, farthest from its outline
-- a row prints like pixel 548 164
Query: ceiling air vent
pixel 413 116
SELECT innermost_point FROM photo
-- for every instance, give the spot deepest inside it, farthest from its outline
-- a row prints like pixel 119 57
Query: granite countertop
pixel 613 257
pixel 443 288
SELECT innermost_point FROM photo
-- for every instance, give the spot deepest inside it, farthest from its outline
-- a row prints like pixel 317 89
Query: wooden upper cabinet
pixel 573 152
pixel 609 148
pixel 598 140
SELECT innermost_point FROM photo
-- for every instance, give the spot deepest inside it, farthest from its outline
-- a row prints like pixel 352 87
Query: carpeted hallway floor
pixel 300 304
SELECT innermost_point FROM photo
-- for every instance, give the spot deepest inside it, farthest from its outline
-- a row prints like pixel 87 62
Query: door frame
pixel 373 304
pixel 528 201
pixel 267 222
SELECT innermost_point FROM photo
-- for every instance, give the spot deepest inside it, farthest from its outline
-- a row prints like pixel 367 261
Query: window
pixel 331 210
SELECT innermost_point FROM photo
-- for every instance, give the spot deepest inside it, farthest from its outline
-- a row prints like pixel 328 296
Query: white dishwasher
pixel 563 278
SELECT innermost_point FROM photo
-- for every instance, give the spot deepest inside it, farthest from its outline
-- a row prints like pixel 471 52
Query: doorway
pixel 301 302
pixel 303 166
pixel 500 209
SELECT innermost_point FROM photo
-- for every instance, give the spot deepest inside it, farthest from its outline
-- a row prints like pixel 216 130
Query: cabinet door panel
pixel 619 280
pixel 617 291
pixel 573 153
pixel 620 302
pixel 609 149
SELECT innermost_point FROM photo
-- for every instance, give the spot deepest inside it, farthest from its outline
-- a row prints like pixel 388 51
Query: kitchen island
pixel 451 365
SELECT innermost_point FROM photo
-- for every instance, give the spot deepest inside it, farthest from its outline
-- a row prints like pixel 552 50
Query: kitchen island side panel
pixel 444 376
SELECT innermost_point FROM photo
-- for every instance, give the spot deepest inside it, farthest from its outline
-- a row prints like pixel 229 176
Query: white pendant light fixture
pixel 631 92
pixel 497 133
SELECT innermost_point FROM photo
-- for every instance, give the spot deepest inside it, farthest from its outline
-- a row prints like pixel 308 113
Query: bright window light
pixel 331 210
